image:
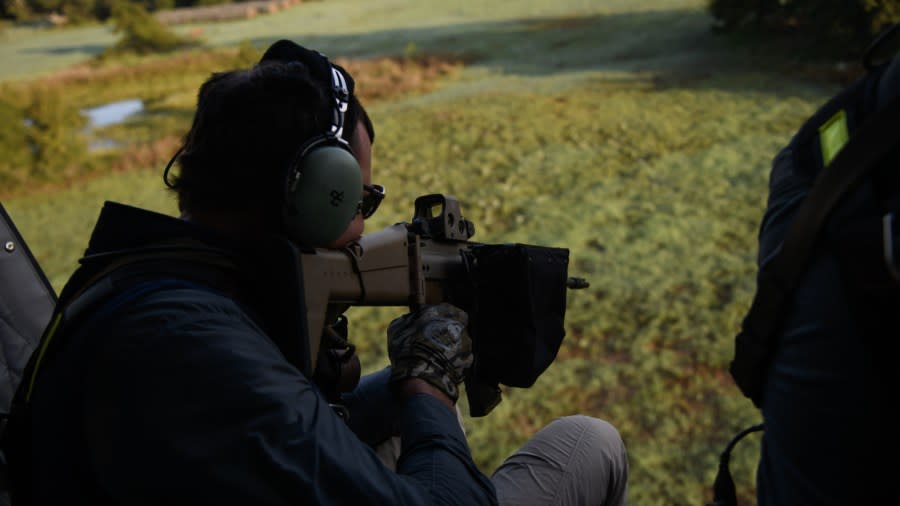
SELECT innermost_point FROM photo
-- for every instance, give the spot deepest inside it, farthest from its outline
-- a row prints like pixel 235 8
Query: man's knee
pixel 600 456
pixel 591 432
pixel 583 423
pixel 599 444
pixel 574 460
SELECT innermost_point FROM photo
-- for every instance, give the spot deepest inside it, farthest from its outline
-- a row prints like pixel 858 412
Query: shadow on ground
pixel 92 49
pixel 675 48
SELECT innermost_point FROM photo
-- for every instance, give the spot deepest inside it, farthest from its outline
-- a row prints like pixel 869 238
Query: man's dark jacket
pixel 177 389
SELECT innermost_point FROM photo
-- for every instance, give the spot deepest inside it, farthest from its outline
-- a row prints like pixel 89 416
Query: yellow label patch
pixel 833 136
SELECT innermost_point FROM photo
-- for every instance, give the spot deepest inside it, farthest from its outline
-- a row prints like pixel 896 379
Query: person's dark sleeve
pixel 433 445
pixel 374 409
pixel 787 190
pixel 192 409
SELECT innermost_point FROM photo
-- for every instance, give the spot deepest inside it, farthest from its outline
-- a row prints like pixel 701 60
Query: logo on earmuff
pixel 336 198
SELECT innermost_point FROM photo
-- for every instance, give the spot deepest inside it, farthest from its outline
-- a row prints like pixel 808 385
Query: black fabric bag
pixel 518 326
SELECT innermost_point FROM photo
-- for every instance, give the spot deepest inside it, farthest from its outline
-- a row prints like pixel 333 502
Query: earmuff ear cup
pixel 323 197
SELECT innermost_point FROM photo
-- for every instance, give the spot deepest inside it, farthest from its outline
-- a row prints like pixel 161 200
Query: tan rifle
pixel 514 290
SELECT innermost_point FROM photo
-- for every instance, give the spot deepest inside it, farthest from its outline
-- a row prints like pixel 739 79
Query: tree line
pixel 88 10
pixel 835 26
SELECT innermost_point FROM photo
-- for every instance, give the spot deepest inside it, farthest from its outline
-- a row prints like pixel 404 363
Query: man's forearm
pixel 412 386
pixel 374 408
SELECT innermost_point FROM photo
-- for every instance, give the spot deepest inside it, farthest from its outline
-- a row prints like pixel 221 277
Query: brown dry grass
pixel 378 78
pixel 151 154
pixel 392 77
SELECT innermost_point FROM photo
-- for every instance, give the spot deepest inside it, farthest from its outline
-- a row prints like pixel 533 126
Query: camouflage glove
pixel 431 344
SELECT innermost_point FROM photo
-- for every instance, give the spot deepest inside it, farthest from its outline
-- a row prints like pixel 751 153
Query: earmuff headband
pixel 341 101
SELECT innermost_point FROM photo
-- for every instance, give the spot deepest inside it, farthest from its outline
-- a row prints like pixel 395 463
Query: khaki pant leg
pixel 389 452
pixel 575 460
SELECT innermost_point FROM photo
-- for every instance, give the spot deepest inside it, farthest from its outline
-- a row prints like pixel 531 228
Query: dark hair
pixel 248 127
pixel 321 69
pixel 357 113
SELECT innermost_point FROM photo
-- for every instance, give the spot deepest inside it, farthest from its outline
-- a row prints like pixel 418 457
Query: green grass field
pixel 624 130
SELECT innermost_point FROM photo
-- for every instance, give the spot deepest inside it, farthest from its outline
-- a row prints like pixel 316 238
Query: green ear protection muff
pixel 324 182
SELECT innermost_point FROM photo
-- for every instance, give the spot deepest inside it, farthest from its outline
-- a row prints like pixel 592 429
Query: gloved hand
pixel 431 344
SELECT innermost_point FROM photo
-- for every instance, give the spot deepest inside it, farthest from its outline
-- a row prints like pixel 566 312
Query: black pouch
pixel 875 293
pixel 517 327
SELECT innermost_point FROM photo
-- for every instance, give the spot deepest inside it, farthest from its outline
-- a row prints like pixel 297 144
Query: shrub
pixel 735 13
pixel 884 12
pixel 15 164
pixel 73 10
pixel 141 32
pixel 83 10
pixel 41 141
pixel 54 135
pixel 12 9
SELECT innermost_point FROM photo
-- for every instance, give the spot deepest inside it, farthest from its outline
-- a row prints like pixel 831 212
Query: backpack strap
pixel 777 281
